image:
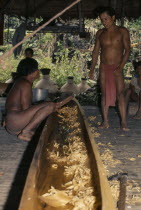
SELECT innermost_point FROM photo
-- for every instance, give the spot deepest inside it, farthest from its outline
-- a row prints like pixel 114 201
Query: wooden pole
pixel 122 12
pixel 1 28
pixel 9 52
pixel 81 21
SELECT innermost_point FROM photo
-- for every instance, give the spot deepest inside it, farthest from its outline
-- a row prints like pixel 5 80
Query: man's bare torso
pixel 111 43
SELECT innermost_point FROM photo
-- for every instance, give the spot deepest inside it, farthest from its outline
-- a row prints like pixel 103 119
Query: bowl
pixel 39 94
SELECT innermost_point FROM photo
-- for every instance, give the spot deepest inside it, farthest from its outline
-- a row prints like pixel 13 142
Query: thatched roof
pixel 49 8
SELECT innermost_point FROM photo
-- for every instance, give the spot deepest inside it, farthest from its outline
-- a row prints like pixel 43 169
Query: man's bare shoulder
pixel 100 31
pixel 123 29
pixel 22 82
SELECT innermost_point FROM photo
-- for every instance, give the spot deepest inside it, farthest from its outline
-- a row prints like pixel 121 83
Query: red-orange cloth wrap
pixel 110 84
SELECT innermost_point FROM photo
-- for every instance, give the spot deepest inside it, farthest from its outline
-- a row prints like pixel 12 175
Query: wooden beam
pixel 6 3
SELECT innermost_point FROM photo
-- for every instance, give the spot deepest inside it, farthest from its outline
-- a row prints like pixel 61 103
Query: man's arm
pixel 95 54
pixel 126 44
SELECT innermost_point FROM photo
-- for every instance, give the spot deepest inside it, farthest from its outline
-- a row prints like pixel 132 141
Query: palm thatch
pixel 48 8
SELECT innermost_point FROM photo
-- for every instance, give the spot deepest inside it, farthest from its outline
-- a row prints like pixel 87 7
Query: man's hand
pixel 118 71
pixel 63 102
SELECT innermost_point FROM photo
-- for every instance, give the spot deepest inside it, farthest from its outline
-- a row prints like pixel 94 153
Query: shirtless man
pixel 114 43
pixel 22 118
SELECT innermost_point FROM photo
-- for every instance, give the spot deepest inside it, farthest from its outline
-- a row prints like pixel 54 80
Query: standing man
pixel 28 54
pixel 113 42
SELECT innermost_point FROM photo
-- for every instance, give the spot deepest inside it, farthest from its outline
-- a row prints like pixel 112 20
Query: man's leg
pixel 104 108
pixel 16 121
pixel 39 116
pixel 28 131
pixel 121 101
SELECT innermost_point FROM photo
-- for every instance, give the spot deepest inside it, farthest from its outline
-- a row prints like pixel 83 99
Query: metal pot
pixel 39 94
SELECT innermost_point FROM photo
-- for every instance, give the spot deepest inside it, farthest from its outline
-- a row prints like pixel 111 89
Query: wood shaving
pixel 78 191
pixel 108 160
pixel 138 155
pixel 133 189
pixel 114 185
pixel 132 159
pixel 55 198
pixel 92 118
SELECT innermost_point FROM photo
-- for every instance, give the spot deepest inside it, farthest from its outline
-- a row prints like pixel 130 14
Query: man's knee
pixel 120 95
pixel 51 106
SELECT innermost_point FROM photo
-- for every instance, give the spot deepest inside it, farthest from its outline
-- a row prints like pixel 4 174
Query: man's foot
pixel 25 135
pixel 124 127
pixel 137 116
pixel 104 125
pixel 12 132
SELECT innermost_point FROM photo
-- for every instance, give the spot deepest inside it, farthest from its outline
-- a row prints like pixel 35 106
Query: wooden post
pixel 113 3
pixel 122 12
pixel 1 28
pixel 81 21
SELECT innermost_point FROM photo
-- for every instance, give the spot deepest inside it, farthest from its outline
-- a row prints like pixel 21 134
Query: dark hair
pixel 29 50
pixel 109 10
pixel 27 66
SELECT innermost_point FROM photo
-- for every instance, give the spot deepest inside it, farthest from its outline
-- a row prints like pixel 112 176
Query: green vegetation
pixel 66 54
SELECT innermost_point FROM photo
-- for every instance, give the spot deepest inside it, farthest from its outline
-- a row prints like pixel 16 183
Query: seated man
pixel 22 118
pixel 134 90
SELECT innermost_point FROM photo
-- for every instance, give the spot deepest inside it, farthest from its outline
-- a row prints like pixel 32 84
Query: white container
pixel 83 86
pixel 11 80
pixel 39 95
pixel 46 82
pixel 69 86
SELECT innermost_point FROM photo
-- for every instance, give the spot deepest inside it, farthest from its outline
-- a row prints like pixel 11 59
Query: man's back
pixel 19 98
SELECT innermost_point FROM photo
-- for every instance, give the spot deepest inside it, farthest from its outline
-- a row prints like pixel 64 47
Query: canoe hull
pixel 38 182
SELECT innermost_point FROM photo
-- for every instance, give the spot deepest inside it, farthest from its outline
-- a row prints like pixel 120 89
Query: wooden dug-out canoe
pixel 66 171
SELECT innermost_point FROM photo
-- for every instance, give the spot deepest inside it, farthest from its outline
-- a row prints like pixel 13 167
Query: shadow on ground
pixel 17 187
